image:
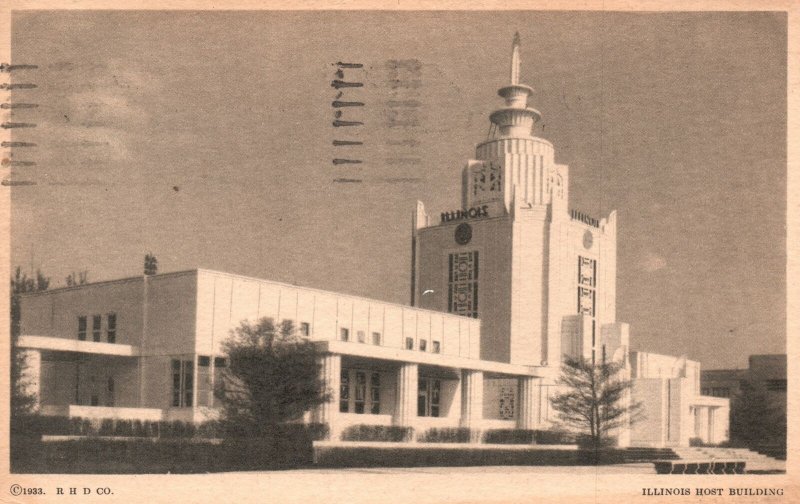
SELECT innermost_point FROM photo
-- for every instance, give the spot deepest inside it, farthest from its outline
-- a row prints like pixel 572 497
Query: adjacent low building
pixel 502 290
pixel 668 388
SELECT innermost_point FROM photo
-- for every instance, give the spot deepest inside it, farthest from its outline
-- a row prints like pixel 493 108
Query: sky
pixel 206 139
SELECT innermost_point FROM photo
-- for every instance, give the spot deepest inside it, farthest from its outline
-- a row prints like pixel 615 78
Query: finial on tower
pixel 515 60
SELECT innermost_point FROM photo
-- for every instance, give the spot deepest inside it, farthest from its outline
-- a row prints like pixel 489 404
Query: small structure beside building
pixel 668 388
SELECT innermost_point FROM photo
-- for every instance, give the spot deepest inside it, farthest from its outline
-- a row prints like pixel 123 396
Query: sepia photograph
pixel 397 256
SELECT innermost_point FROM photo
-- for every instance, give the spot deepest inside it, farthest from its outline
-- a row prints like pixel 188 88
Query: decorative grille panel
pixel 463 284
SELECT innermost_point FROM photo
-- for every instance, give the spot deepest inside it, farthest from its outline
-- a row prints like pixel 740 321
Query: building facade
pixel 764 381
pixel 502 290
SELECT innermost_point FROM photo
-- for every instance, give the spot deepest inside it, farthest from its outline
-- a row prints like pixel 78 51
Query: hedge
pixel 37 425
pixel 76 426
pixel 523 436
pixel 287 446
pixel 389 433
pixel 421 456
pixel 446 435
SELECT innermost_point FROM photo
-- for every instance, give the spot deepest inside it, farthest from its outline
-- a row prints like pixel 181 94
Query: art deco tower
pixel 539 276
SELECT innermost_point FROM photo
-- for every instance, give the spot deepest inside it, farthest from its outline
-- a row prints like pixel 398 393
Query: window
pixel 376 338
pixel 587 281
pixel 776 385
pixel 305 329
pixel 110 389
pixel 366 392
pixel 205 387
pixel 423 345
pixel 720 391
pixel 344 392
pixel 375 393
pixel 220 363
pixel 97 320
pixel 361 391
pixel 82 328
pixel 111 328
pixel 462 292
pixel 362 338
pixel 428 397
pixel 437 348
pixel 344 334
pixel 409 343
pixel 182 382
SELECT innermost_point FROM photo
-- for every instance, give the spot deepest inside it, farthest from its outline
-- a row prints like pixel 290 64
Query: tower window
pixel 362 338
pixel 344 334
pixel 409 343
pixel 305 329
pixel 436 348
pixel 462 292
pixel 587 281
pixel 376 338
pixel 423 345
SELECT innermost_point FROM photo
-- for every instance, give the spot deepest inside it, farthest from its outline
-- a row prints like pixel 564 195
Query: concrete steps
pixel 756 462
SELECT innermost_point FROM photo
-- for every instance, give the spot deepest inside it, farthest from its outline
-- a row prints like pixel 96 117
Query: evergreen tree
pixel 756 418
pixel 22 401
pixel 272 376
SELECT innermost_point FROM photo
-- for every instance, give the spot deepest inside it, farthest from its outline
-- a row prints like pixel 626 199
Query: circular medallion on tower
pixel 463 233
pixel 588 239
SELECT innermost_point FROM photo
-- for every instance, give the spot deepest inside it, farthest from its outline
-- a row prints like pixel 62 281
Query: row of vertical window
pixel 362 402
pixel 97 327
pixel 207 378
pixel 344 335
pixel 364 394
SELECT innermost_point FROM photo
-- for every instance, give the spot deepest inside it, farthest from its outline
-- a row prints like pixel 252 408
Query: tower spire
pixel 516 119
pixel 515 63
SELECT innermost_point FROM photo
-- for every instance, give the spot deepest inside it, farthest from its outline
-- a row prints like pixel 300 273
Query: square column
pixel 405 410
pixel 529 402
pixel 471 398
pixel 327 412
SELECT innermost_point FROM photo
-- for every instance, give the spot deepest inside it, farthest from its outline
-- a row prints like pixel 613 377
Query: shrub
pixel 106 427
pixel 123 428
pixel 446 435
pixel 585 442
pixel 555 437
pixel 390 433
pixel 37 425
pixel 696 441
pixel 208 430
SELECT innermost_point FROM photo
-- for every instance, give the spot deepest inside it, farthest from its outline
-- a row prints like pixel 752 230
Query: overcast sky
pixel 205 137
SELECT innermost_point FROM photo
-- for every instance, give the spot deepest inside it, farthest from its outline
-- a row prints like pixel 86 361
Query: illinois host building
pixel 502 290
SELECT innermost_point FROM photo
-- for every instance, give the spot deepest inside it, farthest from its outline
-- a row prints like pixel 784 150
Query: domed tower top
pixel 516 119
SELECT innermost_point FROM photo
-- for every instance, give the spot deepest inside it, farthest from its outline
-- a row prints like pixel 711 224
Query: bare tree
pixel 79 278
pixel 594 399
